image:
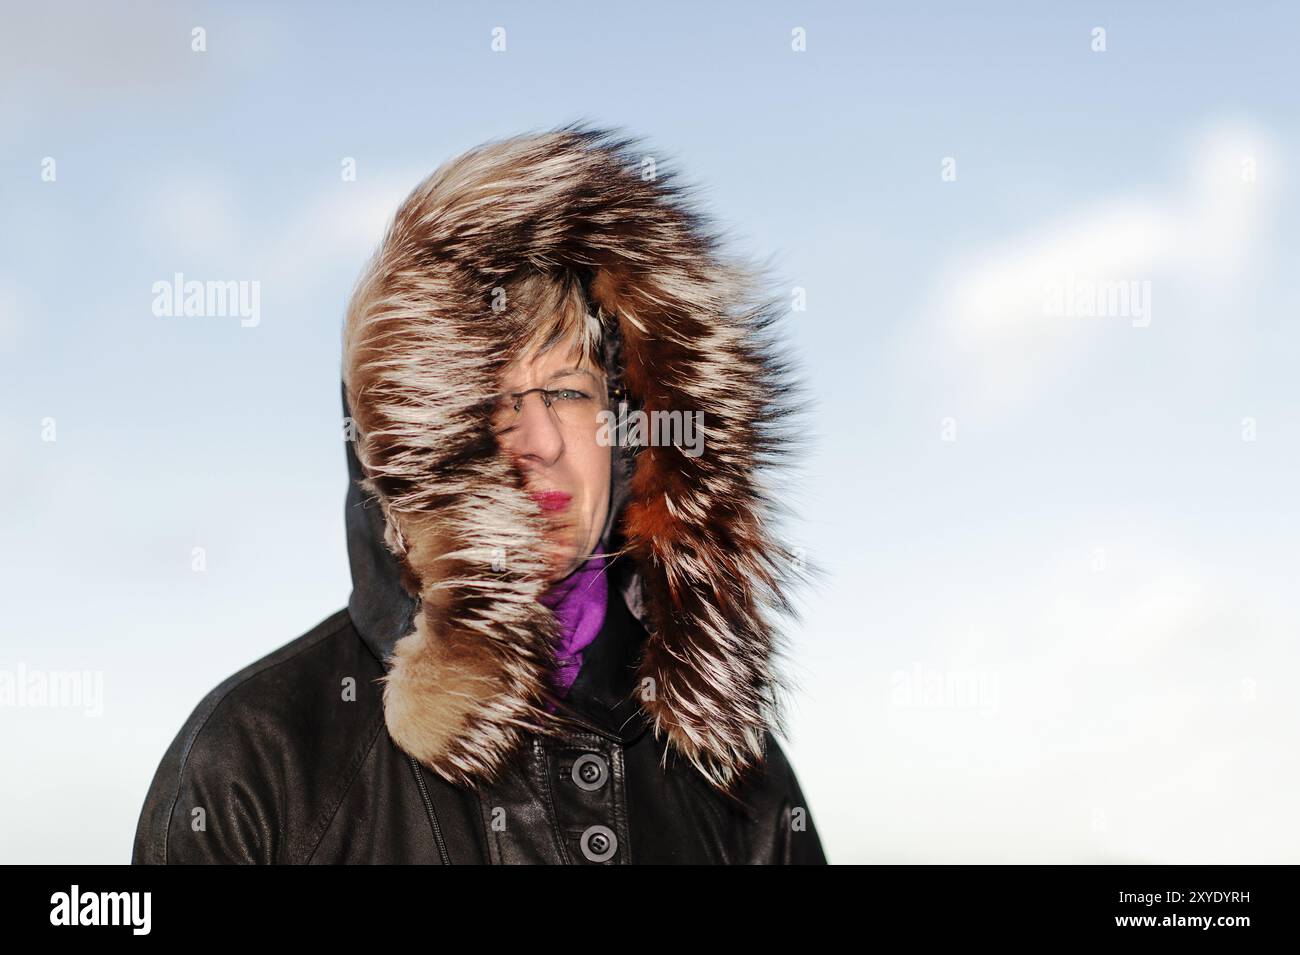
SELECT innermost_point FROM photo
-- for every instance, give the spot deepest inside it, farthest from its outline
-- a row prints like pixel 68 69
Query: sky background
pixel 1059 617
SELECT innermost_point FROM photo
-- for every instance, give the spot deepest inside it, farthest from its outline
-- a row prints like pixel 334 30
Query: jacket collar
pixel 603 697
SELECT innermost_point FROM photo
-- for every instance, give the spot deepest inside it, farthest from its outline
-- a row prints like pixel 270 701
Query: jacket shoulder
pixel 782 830
pixel 262 763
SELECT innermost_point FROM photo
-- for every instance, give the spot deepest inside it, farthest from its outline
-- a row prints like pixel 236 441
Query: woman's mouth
pixel 551 500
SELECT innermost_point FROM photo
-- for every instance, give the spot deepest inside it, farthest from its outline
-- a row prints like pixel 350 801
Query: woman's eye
pixel 568 394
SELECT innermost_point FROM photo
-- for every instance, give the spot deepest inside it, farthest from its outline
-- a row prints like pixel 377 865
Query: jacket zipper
pixel 428 807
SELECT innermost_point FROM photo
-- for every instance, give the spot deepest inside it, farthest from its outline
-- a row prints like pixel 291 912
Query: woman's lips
pixel 552 500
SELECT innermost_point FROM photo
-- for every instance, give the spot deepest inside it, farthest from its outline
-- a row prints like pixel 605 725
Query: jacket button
pixel 590 772
pixel 599 843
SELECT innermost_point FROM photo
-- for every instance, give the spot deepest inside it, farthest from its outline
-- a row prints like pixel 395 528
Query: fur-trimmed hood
pixel 444 541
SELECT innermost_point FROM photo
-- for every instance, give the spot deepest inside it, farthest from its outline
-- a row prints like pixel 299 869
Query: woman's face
pixel 566 469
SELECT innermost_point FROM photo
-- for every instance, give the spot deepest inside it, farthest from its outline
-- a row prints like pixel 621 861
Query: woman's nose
pixel 537 437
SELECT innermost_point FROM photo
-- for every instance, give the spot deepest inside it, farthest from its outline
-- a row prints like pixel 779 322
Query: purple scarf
pixel 578 602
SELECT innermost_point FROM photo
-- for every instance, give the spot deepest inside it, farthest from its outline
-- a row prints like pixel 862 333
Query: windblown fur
pixel 423 349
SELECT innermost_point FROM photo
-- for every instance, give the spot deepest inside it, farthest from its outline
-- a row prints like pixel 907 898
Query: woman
pixel 560 642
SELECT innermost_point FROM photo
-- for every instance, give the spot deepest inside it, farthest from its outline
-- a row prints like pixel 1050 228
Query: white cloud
pixel 339 226
pixel 997 306
pixel 199 216
pixel 1132 713
pixel 69 58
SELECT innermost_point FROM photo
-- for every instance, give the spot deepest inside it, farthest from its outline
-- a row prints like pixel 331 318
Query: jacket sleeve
pixel 201 807
pixel 786 834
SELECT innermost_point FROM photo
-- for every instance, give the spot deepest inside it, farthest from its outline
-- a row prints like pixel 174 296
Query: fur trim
pixel 423 348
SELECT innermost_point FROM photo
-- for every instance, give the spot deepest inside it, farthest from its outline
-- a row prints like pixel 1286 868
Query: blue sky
pixel 1060 609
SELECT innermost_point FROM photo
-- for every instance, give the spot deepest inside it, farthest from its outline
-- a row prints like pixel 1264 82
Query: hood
pixel 444 542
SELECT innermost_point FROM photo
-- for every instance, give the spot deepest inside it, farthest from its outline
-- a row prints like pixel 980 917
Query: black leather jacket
pixel 279 764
